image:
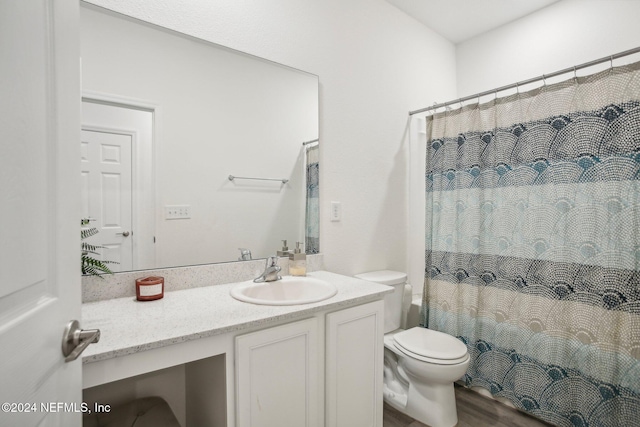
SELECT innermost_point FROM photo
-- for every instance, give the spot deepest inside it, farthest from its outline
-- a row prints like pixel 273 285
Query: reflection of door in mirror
pixel 106 195
pixel 116 154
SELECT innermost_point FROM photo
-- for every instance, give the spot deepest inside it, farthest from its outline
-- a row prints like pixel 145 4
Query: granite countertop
pixel 128 326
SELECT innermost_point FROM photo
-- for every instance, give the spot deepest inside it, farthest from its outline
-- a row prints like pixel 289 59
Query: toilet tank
pixel 392 301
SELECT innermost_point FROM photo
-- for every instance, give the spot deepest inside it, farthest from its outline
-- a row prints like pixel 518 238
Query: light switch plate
pixel 336 211
pixel 177 212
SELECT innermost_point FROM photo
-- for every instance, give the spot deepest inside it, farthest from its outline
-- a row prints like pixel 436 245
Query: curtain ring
pixel 611 68
pixel 575 74
pixel 544 80
pixel 518 88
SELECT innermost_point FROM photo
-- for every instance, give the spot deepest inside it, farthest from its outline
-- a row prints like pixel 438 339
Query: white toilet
pixel 420 365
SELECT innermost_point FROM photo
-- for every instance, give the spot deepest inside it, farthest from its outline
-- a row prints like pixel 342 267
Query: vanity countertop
pixel 129 326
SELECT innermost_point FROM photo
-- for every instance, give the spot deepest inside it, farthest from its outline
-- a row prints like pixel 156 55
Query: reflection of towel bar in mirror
pixel 311 142
pixel 283 180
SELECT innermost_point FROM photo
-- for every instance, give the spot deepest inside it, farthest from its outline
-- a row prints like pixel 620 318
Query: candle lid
pixel 151 280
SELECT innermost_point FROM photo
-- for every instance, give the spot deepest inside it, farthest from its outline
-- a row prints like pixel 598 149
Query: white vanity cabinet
pixel 280 374
pixel 277 376
pixel 353 376
pixel 219 362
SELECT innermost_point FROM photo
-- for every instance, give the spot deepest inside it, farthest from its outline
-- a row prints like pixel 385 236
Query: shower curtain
pixel 312 219
pixel 533 246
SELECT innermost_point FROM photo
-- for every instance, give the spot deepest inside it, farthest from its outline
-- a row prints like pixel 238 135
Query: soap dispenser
pixel 285 250
pixel 298 262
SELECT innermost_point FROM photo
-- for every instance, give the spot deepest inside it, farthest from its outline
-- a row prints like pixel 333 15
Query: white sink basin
pixel 288 291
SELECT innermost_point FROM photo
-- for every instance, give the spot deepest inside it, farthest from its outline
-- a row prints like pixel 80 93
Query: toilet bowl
pixel 420 365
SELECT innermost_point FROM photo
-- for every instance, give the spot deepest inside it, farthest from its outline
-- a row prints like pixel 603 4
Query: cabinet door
pixel 277 376
pixel 354 354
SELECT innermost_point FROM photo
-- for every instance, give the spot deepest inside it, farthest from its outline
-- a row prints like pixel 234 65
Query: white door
pixel 39 219
pixel 120 193
pixel 105 159
pixel 354 366
pixel 277 376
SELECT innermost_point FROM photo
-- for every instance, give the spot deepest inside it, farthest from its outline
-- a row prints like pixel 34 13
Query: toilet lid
pixel 384 277
pixel 430 344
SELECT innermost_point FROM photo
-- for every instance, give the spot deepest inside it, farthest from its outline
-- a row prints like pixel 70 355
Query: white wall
pixel 562 35
pixel 375 64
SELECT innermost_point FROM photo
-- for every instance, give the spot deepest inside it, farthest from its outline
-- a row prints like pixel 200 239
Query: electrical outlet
pixel 336 211
pixel 177 212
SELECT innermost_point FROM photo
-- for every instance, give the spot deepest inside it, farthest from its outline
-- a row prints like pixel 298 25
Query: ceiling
pixel 460 20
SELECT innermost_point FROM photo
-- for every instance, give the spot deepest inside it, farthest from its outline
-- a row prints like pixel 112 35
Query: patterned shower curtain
pixel 533 246
pixel 312 220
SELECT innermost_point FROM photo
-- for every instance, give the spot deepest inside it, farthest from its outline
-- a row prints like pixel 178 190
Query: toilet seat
pixel 431 346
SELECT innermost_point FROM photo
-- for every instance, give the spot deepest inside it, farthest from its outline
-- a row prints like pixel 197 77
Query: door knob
pixel 124 233
pixel 75 340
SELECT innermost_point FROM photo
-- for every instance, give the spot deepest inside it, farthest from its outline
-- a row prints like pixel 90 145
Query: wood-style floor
pixel 474 410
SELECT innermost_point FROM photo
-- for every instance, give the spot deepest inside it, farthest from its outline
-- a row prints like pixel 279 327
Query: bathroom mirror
pixel 192 152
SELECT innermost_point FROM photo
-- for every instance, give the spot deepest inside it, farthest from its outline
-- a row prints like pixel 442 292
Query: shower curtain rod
pixel 311 142
pixel 535 79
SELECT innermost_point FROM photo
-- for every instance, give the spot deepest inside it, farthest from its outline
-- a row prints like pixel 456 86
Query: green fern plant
pixel 90 265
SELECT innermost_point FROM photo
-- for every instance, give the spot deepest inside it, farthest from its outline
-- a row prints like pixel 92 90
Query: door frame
pixel 142 178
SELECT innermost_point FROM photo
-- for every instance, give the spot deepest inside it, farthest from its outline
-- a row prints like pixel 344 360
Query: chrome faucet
pixel 245 254
pixel 270 271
